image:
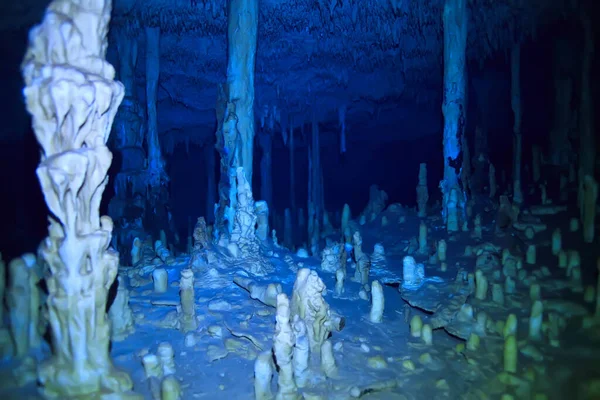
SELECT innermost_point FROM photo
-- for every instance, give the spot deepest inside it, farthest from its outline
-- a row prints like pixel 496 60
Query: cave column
pixel 241 56
pixel 453 106
pixel 72 119
pixel 129 129
pixel 292 151
pixel 266 183
pixel 315 198
pixel 211 197
pixel 156 176
pixel 515 57
pixel 156 164
pixel 559 145
pixel 587 149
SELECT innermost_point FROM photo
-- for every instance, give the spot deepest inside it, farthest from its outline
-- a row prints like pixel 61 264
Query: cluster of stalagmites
pixel 302 330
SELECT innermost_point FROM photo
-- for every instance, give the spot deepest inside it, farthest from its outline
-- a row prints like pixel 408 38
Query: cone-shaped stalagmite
pixel 453 107
pixel 73 98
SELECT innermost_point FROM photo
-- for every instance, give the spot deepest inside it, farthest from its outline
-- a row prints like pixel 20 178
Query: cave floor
pixel 233 328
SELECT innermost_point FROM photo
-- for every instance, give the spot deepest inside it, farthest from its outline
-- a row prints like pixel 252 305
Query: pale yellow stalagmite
pixel 72 97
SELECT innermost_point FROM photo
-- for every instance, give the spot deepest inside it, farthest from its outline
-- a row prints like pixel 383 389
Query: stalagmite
pixel 161 280
pixel 517 113
pixel 377 302
pixel 23 302
pixel 263 373
pixel 80 266
pixel 241 56
pixel 535 320
pixel 187 320
pixel 283 347
pixel 423 248
pixel 301 352
pixel 346 216
pixel 262 218
pixel 328 365
pixel 422 192
pixel 120 314
pixel 510 354
pixel 455 21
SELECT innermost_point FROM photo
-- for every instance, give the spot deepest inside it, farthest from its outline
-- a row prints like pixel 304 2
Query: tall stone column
pixel 266 179
pixel 156 164
pixel 560 147
pixel 587 150
pixel 515 57
pixel 211 190
pixel 129 128
pixel 453 107
pixel 73 99
pixel 242 37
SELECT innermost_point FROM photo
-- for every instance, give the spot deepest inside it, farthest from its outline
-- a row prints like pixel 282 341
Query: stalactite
pixel 316 197
pixel 242 38
pixel 517 112
pixel 455 42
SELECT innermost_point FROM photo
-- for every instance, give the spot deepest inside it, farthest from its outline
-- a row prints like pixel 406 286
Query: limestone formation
pixel 266 294
pixel 187 320
pixel 23 301
pixel 377 202
pixel 262 217
pixel 161 280
pixel 243 236
pixel 377 302
pixel 307 302
pixel 283 348
pixel 413 274
pixel 73 99
pixel 422 192
pixel 301 352
pixel 263 374
pixel 201 236
pixel 120 314
pixel 136 251
pixel 331 258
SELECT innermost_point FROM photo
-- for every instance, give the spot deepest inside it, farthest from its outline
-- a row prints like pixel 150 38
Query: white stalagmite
pixel 263 373
pixel 377 302
pixel 515 57
pixel 73 98
pixel 241 58
pixel 283 348
pixel 455 21
pixel 187 320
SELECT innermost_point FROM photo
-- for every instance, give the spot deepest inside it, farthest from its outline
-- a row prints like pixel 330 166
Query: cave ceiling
pixel 377 62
